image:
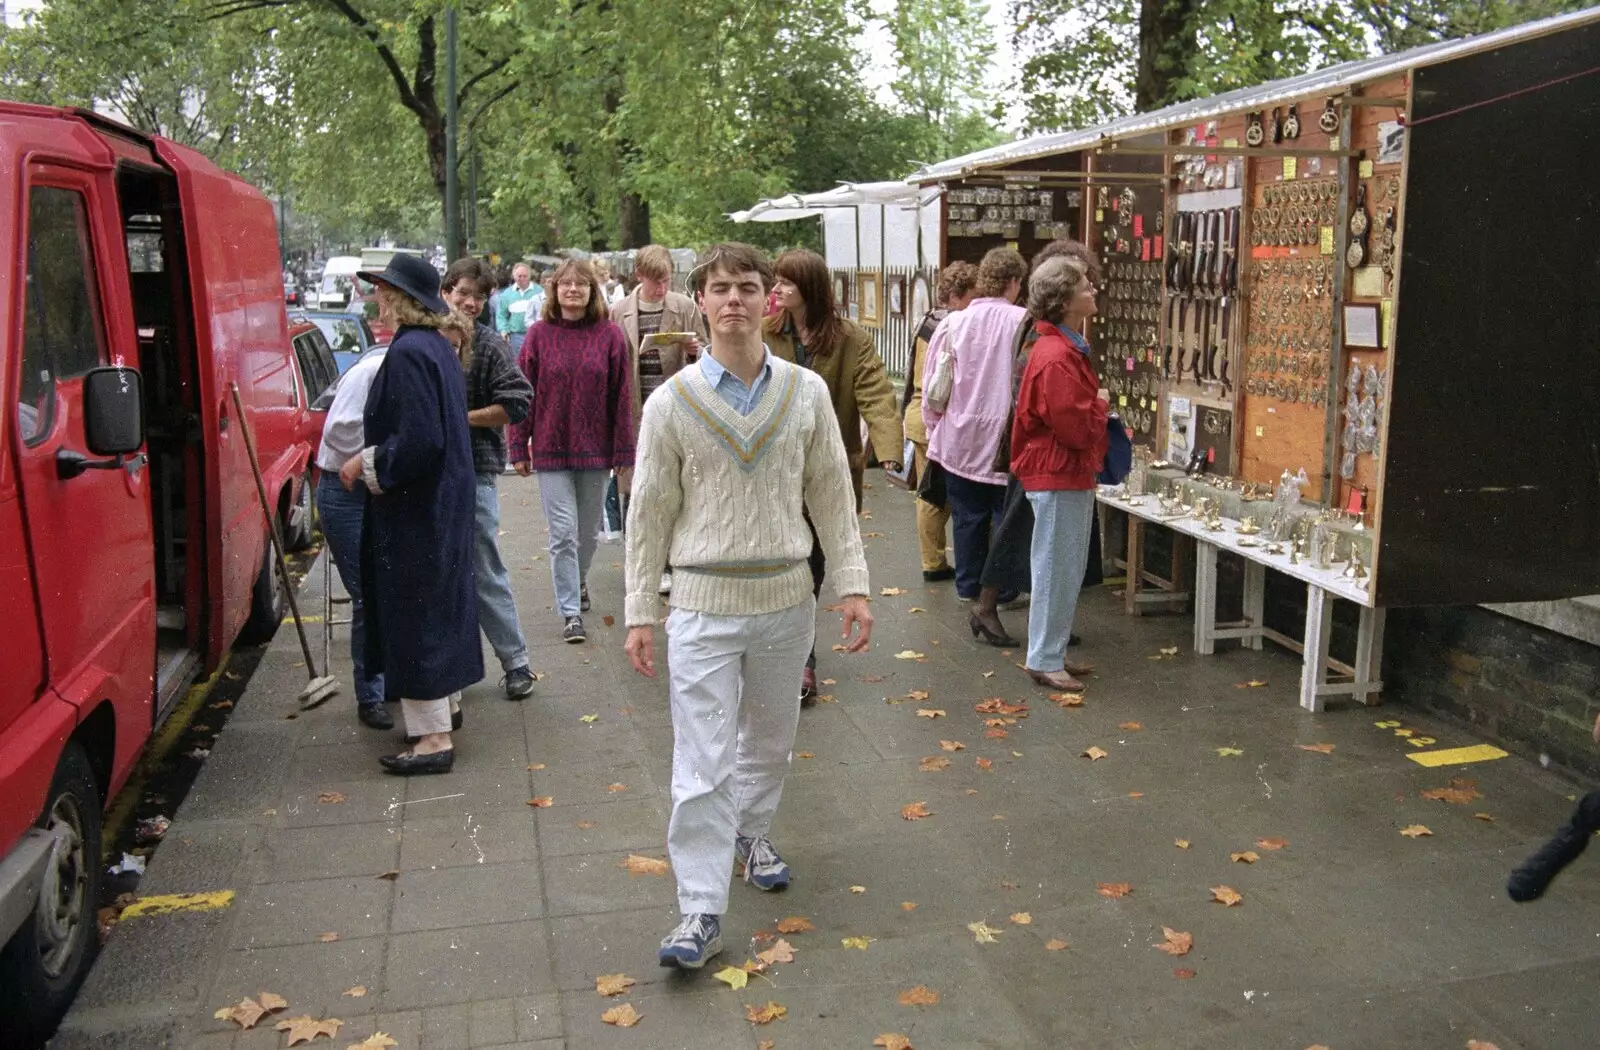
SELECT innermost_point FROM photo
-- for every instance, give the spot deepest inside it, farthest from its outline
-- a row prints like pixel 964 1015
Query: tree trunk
pixel 634 214
pixel 1167 44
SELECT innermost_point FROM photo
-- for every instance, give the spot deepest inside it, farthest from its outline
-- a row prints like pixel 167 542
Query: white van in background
pixel 338 282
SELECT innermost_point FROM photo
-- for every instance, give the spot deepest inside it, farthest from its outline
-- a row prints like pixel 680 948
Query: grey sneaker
pixel 763 868
pixel 697 938
pixel 573 632
pixel 518 683
pixel 583 598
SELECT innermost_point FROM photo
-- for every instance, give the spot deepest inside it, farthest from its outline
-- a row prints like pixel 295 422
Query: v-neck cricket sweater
pixel 724 495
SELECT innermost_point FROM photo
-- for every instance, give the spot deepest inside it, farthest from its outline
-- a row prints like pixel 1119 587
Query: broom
pixel 320 687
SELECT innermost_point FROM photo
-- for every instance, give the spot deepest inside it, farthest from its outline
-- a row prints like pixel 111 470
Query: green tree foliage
pixel 595 123
pixel 1088 61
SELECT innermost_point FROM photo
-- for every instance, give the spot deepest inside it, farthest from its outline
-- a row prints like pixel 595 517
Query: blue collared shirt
pixel 742 399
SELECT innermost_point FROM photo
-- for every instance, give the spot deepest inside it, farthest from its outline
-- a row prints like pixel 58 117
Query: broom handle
pixel 272 526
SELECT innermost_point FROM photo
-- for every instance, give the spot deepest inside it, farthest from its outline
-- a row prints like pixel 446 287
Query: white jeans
pixel 429 716
pixel 735 709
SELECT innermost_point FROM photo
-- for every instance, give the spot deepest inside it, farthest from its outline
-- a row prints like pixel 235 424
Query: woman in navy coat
pixel 416 558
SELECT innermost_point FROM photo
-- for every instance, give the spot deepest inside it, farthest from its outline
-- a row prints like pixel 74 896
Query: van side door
pixel 89 535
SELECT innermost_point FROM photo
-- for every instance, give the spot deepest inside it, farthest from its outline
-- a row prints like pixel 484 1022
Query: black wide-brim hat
pixel 414 276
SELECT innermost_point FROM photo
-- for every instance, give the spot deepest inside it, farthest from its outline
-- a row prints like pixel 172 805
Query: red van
pixel 140 281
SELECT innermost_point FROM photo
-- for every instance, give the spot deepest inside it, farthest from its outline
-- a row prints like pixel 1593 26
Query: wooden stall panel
pixel 1492 450
pixel 971 209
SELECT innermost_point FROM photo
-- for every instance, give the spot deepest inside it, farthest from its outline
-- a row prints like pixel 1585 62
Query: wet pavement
pixel 468 918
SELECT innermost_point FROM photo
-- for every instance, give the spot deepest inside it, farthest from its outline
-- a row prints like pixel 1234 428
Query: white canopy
pixel 864 223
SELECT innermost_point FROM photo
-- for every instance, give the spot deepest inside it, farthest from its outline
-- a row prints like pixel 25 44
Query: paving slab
pixel 498 916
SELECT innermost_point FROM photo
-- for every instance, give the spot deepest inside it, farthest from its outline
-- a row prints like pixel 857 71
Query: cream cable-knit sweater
pixel 723 494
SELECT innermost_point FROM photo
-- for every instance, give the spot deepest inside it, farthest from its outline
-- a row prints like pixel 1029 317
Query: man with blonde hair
pixel 653 308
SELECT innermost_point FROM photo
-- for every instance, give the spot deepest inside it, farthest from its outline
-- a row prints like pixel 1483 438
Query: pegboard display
pixel 1129 237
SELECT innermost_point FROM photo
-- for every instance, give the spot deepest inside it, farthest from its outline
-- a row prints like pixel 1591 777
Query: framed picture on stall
pixel 841 294
pixel 921 297
pixel 897 295
pixel 869 293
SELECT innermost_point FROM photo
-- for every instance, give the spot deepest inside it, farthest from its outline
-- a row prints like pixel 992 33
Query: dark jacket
pixel 493 378
pixel 417 575
pixel 860 388
pixel 1058 439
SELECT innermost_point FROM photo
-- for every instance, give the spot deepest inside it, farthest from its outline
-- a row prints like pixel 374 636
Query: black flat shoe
pixel 414 764
pixel 375 716
pixel 938 575
pixel 981 630
pixel 1073 639
pixel 455 723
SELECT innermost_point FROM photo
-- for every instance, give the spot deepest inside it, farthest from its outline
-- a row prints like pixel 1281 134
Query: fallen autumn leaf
pixel 542 801
pixel 857 942
pixel 637 865
pixel 375 1041
pixel 930 712
pixel 609 984
pixel 330 797
pixel 1055 944
pixel 1114 890
pixel 623 1016
pixel 910 654
pixel 915 811
pixel 952 745
pixel 892 592
pixel 1181 843
pixel 1227 752
pixel 780 952
pixel 1094 754
pixel 765 1014
pixel 892 1041
pixel 1321 749
pixel 733 976
pixel 305 1028
pixel 1226 895
pixel 1247 857
pixel 1272 843
pixel 1132 727
pixel 1175 943
pixel 1415 831
pixel 1022 918
pixel 982 932
pixel 933 764
pixel 355 993
pixel 921 995
pixel 795 924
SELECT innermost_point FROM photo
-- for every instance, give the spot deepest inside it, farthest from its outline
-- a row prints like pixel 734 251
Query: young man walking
pixel 498 394
pixel 732 449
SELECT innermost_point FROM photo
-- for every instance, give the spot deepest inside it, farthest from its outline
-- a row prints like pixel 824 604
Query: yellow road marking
pixel 1457 756
pixel 165 903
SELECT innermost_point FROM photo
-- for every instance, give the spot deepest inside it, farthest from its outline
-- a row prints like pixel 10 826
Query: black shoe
pixel 1532 877
pixel 583 598
pixel 1073 640
pixel 414 764
pixel 573 632
pixel 808 682
pixel 518 683
pixel 1000 639
pixel 455 723
pixel 938 575
pixel 375 715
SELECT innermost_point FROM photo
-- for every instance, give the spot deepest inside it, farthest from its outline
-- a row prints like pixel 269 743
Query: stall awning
pixel 847 195
pixel 1330 81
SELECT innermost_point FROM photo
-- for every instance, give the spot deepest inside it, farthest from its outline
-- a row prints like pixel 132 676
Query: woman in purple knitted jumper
pixel 580 428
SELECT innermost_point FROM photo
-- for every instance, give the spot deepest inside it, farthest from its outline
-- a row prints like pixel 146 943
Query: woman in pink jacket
pixel 1058 442
pixel 965 405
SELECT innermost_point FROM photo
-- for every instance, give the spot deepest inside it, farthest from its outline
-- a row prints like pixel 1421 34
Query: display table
pixel 1323 586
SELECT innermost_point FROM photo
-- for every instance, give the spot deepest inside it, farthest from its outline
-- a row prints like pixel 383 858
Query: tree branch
pixel 477 114
pixel 228 8
pixel 491 70
pixel 408 97
pixel 427 64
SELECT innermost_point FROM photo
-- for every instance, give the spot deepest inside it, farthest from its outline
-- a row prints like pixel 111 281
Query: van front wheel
pixel 50 954
pixel 266 603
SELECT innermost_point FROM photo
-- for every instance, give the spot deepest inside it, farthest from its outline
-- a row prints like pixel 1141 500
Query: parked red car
pixel 140 282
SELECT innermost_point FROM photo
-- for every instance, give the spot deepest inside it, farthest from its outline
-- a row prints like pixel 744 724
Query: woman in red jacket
pixel 1058 441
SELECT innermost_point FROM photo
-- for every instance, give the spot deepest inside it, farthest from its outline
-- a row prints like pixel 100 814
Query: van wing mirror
pixel 113 410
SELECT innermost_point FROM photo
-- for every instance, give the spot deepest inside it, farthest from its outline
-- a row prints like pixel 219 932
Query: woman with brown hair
pixel 808 330
pixel 581 426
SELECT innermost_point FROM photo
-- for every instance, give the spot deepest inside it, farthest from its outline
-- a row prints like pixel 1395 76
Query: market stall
pixel 1358 306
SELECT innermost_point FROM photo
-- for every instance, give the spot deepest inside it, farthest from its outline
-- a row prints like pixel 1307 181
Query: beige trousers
pixel 932 522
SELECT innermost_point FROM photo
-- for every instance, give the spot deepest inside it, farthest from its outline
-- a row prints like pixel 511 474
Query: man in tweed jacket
pixel 731 449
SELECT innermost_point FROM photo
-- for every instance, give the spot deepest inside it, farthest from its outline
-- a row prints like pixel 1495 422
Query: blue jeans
pixel 497 609
pixel 974 508
pixel 1061 524
pixel 341 513
pixel 574 503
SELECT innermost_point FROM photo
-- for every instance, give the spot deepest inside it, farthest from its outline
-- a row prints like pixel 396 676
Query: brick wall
pixel 1527 689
